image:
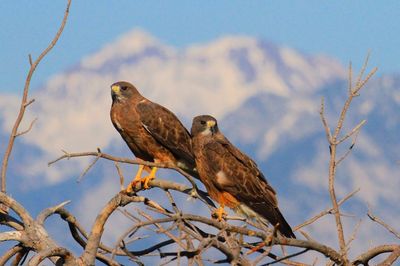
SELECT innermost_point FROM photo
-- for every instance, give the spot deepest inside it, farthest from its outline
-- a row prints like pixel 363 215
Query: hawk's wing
pixel 238 179
pixel 242 158
pixel 166 128
pixel 235 173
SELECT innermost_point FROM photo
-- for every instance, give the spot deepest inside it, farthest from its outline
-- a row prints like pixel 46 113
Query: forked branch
pixel 334 141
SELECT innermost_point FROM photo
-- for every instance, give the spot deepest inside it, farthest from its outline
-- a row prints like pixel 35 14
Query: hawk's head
pixel 122 90
pixel 205 125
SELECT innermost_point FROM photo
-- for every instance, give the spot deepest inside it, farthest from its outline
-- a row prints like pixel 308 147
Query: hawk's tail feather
pixel 283 227
pixel 274 216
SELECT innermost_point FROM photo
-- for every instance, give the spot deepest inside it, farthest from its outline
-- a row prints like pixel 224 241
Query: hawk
pixel 232 178
pixel 152 132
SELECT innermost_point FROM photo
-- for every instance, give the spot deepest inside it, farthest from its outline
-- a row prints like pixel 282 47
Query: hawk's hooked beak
pixel 211 126
pixel 115 92
pixel 210 123
pixel 116 89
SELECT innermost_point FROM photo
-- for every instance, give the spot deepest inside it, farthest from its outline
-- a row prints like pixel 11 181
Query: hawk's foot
pixel 145 181
pixel 137 179
pixel 219 213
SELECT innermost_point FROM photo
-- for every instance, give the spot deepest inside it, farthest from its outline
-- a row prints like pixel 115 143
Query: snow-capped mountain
pixel 266 98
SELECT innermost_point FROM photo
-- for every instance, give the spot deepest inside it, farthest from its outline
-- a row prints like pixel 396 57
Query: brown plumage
pixel 231 177
pixel 152 132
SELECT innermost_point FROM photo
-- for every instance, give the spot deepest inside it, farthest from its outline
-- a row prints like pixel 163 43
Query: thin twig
pixel 288 257
pixel 324 121
pixel 79 179
pixel 326 211
pixel 353 143
pixel 28 129
pixel 353 235
pixel 356 129
pixel 385 225
pixel 121 176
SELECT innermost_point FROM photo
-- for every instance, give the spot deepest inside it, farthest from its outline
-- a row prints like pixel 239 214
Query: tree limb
pixel 67 258
pixel 373 252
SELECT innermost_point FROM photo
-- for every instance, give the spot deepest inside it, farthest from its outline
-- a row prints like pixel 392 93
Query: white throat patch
pixel 206 132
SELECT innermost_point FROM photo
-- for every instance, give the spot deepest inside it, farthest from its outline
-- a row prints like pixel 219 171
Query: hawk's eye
pixel 124 88
pixel 203 122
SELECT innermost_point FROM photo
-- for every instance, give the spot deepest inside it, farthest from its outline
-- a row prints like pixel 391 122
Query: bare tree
pixel 188 236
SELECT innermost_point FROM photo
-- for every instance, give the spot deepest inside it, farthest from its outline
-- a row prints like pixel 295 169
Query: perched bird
pixel 232 178
pixel 152 132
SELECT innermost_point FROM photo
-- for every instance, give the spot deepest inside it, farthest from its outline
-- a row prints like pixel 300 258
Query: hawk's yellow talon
pixel 129 188
pixel 138 178
pixel 220 213
pixel 147 179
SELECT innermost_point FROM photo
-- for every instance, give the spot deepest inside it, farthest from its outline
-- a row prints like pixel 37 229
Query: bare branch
pixel 30 59
pixel 68 155
pixel 333 142
pixel 350 81
pixel 324 121
pixel 93 242
pixel 288 257
pixel 326 211
pixel 152 248
pixel 28 129
pixel 21 113
pixel 121 176
pixel 372 253
pixel 353 142
pixel 353 235
pixel 162 230
pixel 15 206
pixel 11 222
pixel 356 129
pixel 386 226
pixel 29 102
pixel 76 229
pixel 362 71
pixel 10 253
pixel 51 252
pixel 88 168
pixel 278 240
pixel 361 85
pixel 49 211
pixel 391 259
pixel 11 236
pixel 193 192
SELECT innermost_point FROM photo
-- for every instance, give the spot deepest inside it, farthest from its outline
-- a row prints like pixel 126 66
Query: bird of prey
pixel 152 132
pixel 232 178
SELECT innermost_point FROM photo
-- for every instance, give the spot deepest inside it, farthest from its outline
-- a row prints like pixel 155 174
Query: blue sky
pixel 343 29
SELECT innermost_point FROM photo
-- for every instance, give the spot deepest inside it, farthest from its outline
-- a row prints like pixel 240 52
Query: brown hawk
pixel 152 132
pixel 232 178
